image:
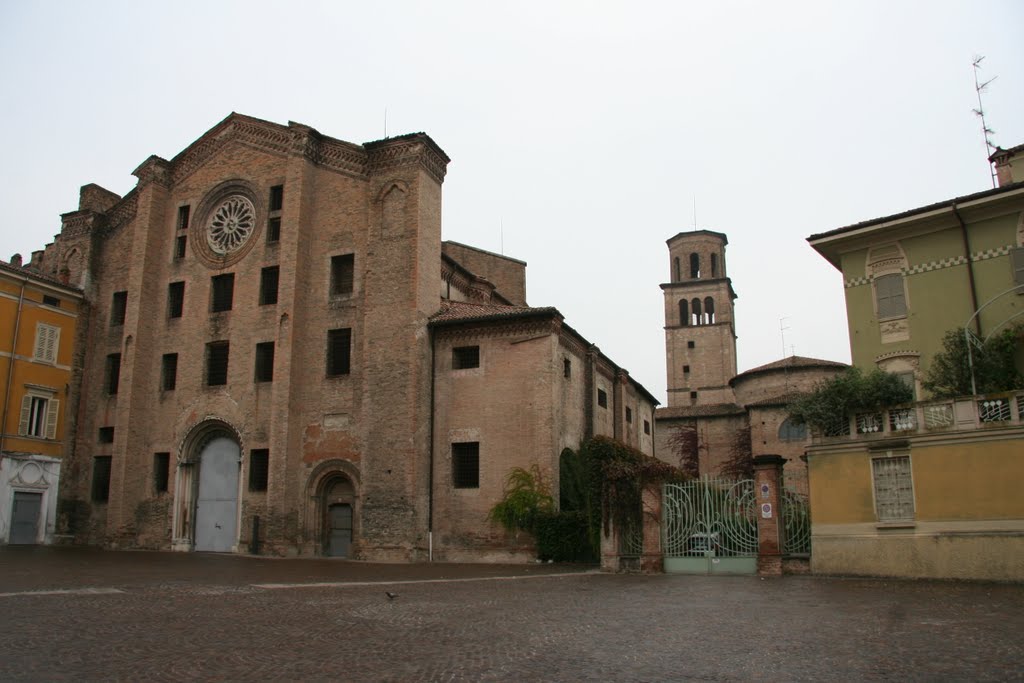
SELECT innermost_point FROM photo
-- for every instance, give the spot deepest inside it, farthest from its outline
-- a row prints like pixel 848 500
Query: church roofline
pixel 787 364
pixel 690 233
pixel 483 251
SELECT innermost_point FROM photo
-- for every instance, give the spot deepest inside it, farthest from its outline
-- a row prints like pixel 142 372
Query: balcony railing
pixel 958 414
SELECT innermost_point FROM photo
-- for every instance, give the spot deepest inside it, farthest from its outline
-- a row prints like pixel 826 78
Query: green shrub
pixel 564 537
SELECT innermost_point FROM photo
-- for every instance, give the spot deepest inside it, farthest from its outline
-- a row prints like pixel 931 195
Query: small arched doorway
pixel 338 504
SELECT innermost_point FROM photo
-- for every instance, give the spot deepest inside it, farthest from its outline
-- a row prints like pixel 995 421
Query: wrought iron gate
pixel 710 527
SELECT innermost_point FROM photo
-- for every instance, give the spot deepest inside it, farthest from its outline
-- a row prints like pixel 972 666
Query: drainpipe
pixel 970 267
pixel 430 474
pixel 10 366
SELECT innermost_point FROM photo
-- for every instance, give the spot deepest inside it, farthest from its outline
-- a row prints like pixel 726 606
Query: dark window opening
pixel 566 368
pixel 161 471
pixel 179 246
pixel 684 312
pixel 118 308
pixel 269 277
pixel 106 435
pixel 694 265
pixel 690 345
pixel 464 357
pixel 273 230
pixel 677 273
pixel 169 372
pixel 265 362
pixel 51 301
pixel 714 265
pixel 101 478
pixel 342 274
pixel 183 212
pixel 175 299
pixel 466 465
pixel 647 427
pixel 217 363
pixel 629 416
pixel 686 368
pixel 276 197
pixel 695 312
pixel 709 311
pixel 259 469
pixel 602 398
pixel 339 349
pixel 693 394
pixel 113 372
pixel 222 292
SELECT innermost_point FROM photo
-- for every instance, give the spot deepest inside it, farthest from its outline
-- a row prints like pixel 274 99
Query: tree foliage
pixel 994 365
pixel 685 445
pixel 740 464
pixel 829 406
pixel 527 497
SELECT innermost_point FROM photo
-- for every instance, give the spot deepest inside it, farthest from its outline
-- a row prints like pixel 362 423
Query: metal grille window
pixel 894 490
pixel 274 220
pixel 339 347
pixel 217 363
pixel 169 372
pixel 466 465
pixel 277 197
pixel 269 278
pixel 118 308
pixel 47 343
pixel 259 467
pixel 179 246
pixel 113 372
pixel 183 212
pixel 464 357
pixel 273 230
pixel 101 478
pixel 342 274
pixel 175 299
pixel 106 435
pixel 161 471
pixel 602 398
pixel 892 302
pixel 265 362
pixel 222 292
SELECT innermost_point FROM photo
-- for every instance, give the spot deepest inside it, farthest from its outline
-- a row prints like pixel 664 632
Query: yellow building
pixel 38 316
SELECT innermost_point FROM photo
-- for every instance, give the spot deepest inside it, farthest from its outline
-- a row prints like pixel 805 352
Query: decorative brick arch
pixel 318 485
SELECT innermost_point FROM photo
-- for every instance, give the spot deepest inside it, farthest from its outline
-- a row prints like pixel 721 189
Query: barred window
pixel 113 373
pixel 342 274
pixel 273 230
pixel 118 308
pixel 277 197
pixel 161 471
pixel 265 362
pixel 183 212
pixel 466 465
pixel 175 299
pixel 464 357
pixel 51 301
pixel 269 278
pixel 101 478
pixel 894 489
pixel 629 415
pixel 179 246
pixel 259 467
pixel 217 363
pixel 274 221
pixel 602 398
pixel 106 435
pixel 222 292
pixel 339 347
pixel 169 372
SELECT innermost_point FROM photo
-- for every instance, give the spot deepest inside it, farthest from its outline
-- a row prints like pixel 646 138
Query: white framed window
pixel 47 343
pixel 38 416
pixel 894 488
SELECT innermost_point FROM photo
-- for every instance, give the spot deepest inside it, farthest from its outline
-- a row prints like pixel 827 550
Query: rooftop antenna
pixel 782 332
pixel 979 88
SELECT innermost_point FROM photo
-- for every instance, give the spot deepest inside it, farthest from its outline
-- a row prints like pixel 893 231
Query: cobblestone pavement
pixel 89 615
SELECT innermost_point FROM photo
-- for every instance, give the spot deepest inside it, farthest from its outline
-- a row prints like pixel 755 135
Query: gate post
pixel 770 525
pixel 653 560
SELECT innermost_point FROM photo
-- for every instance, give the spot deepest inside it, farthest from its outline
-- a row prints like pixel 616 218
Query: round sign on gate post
pixel 765 490
pixel 766 510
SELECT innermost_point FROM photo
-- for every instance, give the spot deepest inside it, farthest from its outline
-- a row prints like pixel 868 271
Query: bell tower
pixel 700 337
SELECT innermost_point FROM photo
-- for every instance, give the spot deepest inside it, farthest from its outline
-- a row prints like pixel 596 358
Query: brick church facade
pixel 278 353
pixel 729 412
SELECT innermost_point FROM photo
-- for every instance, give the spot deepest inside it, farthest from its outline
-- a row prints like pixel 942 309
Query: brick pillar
pixel 610 554
pixel 653 560
pixel 771 527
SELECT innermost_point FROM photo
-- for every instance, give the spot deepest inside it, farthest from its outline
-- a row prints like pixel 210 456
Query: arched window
pixel 694 265
pixel 709 310
pixel 684 313
pixel 677 275
pixel 791 431
pixel 714 265
pixel 695 311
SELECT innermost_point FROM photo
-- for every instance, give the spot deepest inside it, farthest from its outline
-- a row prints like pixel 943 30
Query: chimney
pixel 16 260
pixel 1009 164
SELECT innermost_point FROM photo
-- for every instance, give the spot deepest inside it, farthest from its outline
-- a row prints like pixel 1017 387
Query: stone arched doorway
pixel 334 488
pixel 207 490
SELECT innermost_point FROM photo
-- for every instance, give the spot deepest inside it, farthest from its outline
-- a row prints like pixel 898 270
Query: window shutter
pixel 51 418
pixel 1017 257
pixel 26 411
pixel 52 344
pixel 40 349
pixel 889 293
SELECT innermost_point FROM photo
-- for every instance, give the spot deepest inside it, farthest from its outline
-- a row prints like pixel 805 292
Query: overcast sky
pixel 581 134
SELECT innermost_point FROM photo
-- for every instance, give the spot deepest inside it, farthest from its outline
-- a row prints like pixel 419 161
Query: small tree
pixel 685 445
pixel 829 406
pixel 740 464
pixel 527 497
pixel 994 365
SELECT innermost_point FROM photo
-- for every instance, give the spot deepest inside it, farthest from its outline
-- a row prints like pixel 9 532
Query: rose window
pixel 231 224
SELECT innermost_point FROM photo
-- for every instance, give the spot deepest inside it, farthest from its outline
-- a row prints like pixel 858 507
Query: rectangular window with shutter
pixel 894 489
pixel 1017 260
pixel 38 416
pixel 892 302
pixel 47 343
